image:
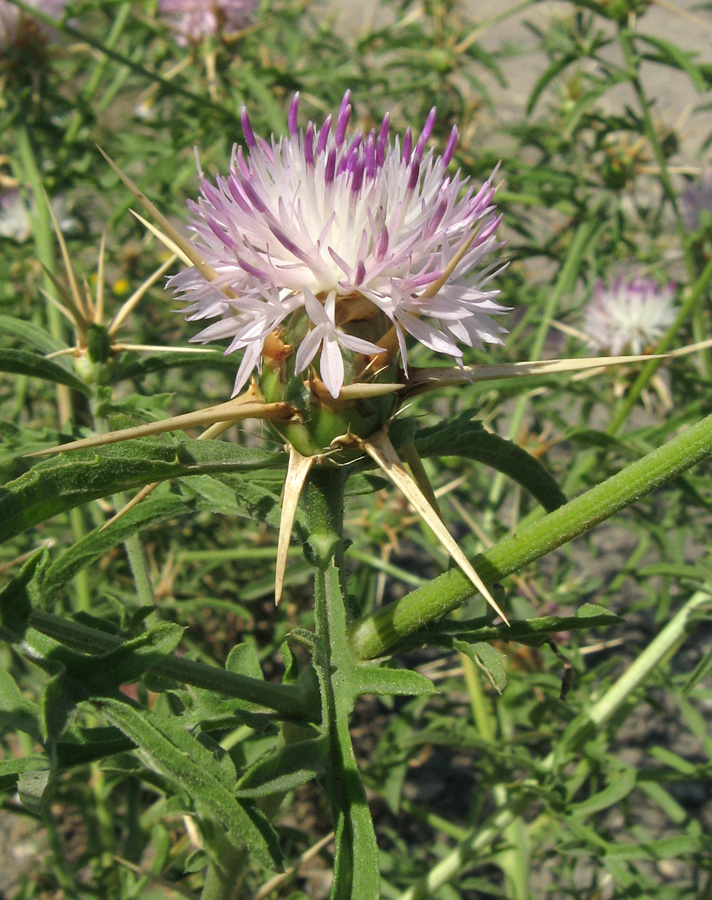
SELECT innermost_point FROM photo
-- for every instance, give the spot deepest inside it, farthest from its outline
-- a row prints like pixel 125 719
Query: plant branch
pixel 378 634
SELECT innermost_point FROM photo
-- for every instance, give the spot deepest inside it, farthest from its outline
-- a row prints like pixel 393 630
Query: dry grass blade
pixel 299 468
pixel 381 450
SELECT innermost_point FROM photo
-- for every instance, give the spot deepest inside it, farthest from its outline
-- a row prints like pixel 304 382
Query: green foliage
pixel 153 702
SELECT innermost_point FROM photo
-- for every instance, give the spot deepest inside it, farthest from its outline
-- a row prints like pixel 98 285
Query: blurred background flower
pixel 18 29
pixel 16 216
pixel 198 19
pixel 630 315
pixel 696 202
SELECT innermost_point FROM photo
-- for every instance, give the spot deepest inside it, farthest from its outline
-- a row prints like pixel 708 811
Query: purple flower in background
pixel 18 28
pixel 630 315
pixel 197 19
pixel 345 229
pixel 695 200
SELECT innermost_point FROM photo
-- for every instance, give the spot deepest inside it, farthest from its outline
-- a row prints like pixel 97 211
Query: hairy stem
pixel 356 872
pixel 378 634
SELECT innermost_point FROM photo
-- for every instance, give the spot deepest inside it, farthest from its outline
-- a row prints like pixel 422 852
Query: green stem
pixel 356 870
pixel 378 634
pixel 292 701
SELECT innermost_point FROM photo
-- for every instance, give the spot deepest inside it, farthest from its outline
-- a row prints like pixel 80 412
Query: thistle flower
pixel 630 315
pixel 696 202
pixel 331 243
pixel 18 29
pixel 15 216
pixel 198 19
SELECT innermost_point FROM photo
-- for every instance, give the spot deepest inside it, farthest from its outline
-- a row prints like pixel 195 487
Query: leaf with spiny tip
pixel 214 431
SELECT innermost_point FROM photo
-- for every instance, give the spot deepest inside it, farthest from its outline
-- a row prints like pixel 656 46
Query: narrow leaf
pixel 471 441
pixel 24 362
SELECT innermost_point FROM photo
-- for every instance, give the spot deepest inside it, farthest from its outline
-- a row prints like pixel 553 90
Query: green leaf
pixel 68 480
pixel 19 596
pixel 673 56
pixel 12 769
pixel 32 334
pixel 391 681
pixel 34 788
pixel 533 632
pixel 470 440
pixel 546 77
pixel 486 658
pixel 287 768
pixel 95 544
pixel 243 659
pixel 613 793
pixel 131 660
pixel 192 767
pixel 17 713
pixel 665 848
pixel 34 365
pixel 233 495
pixel 56 705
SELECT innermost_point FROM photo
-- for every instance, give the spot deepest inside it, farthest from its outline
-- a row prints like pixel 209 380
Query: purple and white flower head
pixel 695 200
pixel 17 28
pixel 349 233
pixel 198 19
pixel 630 315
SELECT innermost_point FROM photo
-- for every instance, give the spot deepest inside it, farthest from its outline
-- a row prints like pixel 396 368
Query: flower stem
pixel 356 871
pixel 378 634
pixel 291 701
